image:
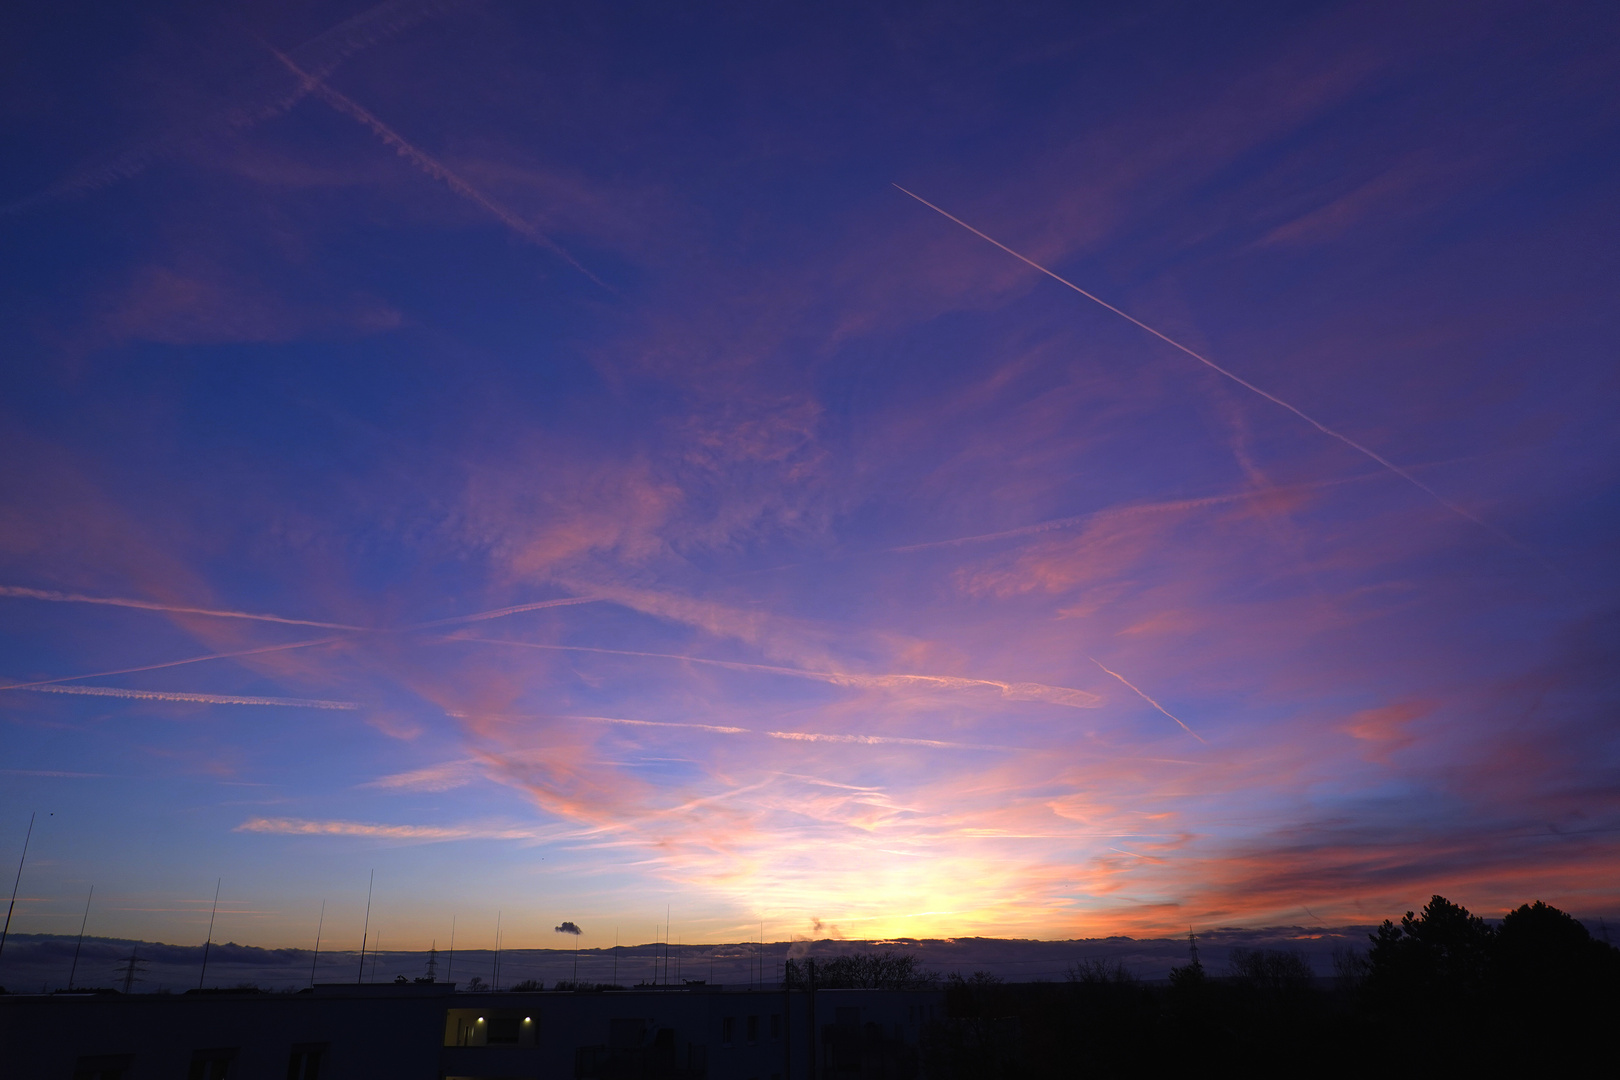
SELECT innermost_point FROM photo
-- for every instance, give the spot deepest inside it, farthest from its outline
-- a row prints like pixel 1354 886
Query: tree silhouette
pixel 1443 954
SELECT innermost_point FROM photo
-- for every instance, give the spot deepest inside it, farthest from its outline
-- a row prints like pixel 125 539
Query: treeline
pixel 888 970
pixel 1442 993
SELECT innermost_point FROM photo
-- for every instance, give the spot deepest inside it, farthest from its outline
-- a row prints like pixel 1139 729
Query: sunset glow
pixel 536 452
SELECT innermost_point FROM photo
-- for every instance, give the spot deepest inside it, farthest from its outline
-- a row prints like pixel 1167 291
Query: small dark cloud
pixel 569 928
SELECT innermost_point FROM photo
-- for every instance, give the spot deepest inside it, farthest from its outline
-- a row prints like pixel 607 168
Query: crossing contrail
pixel 178 663
pixel 1147 699
pixel 1213 366
pixel 428 164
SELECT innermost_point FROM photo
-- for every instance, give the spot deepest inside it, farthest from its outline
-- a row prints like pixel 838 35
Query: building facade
pixel 432 1032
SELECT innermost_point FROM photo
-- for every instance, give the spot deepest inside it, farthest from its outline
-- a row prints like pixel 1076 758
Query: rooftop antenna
pixel 365 930
pixel 496 974
pixel 450 967
pixel 75 968
pixel 375 951
pixel 29 836
pixel 615 956
pixel 433 961
pixel 316 959
pixel 210 942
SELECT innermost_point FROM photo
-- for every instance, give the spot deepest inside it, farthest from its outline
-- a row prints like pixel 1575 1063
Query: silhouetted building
pixel 429 1031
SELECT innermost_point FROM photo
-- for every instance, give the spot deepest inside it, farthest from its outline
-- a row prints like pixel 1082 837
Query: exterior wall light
pixel 528 1020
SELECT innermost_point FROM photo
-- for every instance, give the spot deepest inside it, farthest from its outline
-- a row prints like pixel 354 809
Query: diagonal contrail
pixel 150 605
pixel 1015 691
pixel 1147 699
pixel 516 609
pixel 1213 366
pixel 428 164
pixel 178 663
pixel 320 56
pixel 204 699
pixel 1131 510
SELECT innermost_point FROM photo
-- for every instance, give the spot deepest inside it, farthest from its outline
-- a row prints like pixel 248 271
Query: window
pixel 728 1027
pixel 753 1030
pixel 503 1029
pixel 776 1025
pixel 304 1063
pixel 211 1064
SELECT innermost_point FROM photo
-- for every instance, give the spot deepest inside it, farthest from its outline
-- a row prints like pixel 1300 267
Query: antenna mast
pixel 366 929
pixel 15 884
pixel 75 968
pixel 319 926
pixel 210 942
pixel 496 974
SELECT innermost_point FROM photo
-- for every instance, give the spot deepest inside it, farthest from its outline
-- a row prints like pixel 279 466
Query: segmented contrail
pixel 1213 366
pixel 1147 699
pixel 428 164
pixel 177 663
pixel 205 699
pixel 151 605
pixel 1017 691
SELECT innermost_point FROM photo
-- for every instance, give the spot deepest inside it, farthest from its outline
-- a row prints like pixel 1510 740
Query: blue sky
pixel 871 579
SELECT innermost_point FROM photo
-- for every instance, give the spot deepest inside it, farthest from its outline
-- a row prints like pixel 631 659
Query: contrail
pixel 320 55
pixel 1147 699
pixel 176 663
pixel 1130 511
pixel 430 165
pixel 880 740
pixel 149 605
pixel 516 609
pixel 1213 366
pixel 615 720
pixel 1017 691
pixel 206 699
pixel 804 737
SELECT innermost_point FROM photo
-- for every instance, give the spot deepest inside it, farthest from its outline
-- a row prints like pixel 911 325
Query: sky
pixel 806 471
